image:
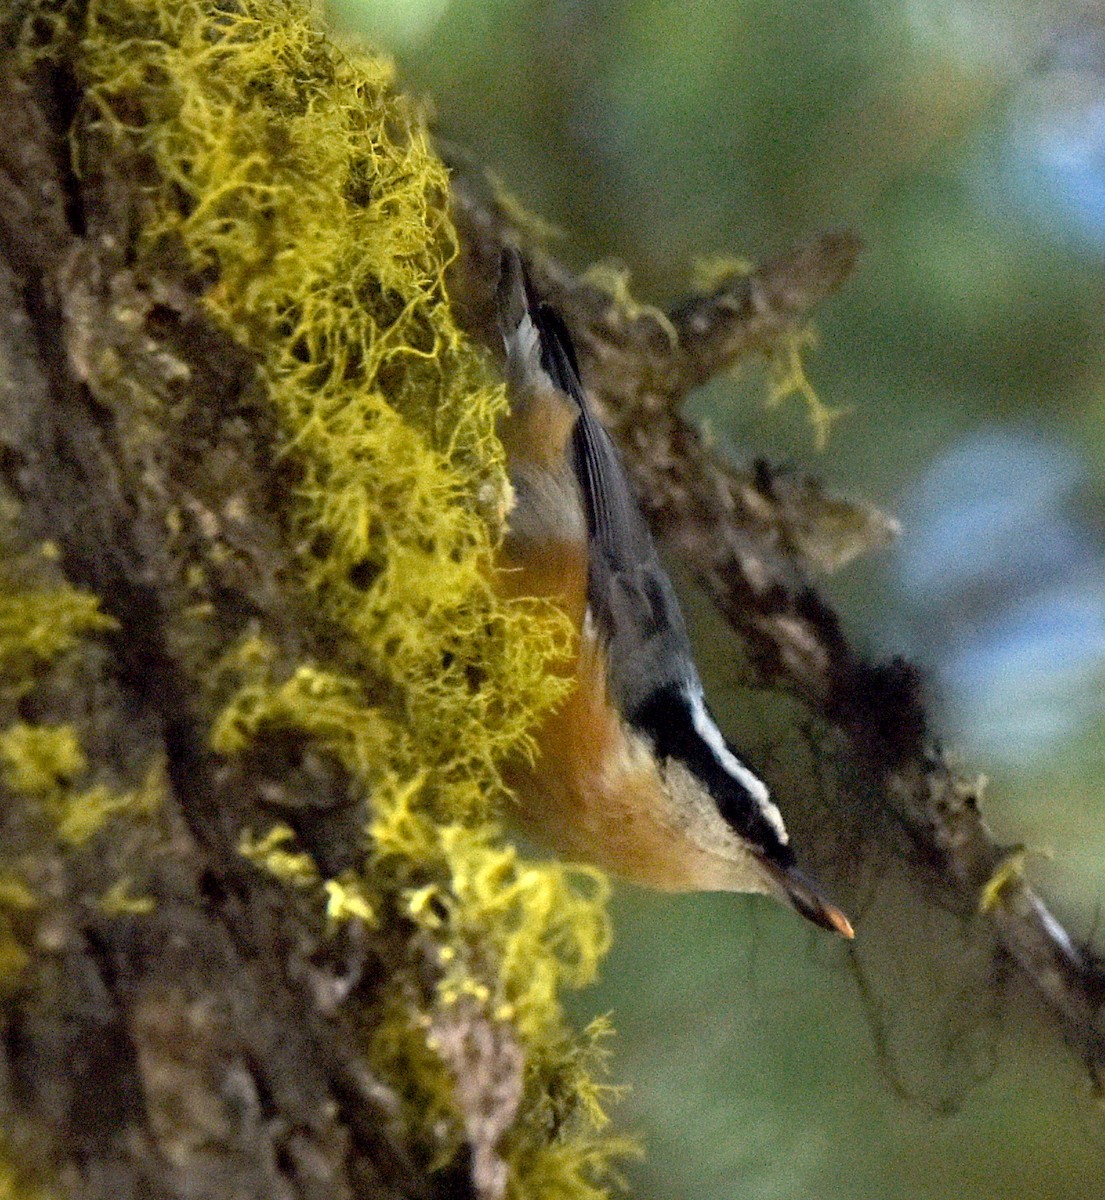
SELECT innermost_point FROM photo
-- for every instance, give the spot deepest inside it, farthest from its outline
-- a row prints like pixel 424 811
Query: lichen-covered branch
pixel 754 310
pixel 754 540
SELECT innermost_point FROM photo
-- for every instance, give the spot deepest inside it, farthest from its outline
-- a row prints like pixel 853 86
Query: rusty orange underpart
pixel 593 791
pixel 538 429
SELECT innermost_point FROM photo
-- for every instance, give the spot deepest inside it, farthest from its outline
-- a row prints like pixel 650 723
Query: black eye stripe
pixel 666 719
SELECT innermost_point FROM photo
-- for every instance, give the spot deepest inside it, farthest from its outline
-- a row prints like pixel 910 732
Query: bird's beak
pixel 804 898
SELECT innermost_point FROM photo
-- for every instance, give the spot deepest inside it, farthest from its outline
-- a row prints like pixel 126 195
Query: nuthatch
pixel 632 772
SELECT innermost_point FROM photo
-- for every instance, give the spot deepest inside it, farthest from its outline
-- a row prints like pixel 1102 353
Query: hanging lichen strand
pixel 308 205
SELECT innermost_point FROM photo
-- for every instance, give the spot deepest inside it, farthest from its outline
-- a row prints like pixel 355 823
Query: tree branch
pixel 750 311
pixel 747 540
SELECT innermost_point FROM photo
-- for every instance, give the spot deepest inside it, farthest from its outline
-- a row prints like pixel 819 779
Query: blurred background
pixel 964 140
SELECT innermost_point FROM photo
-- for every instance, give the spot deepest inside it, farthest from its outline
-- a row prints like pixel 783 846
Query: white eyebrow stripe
pixel 756 788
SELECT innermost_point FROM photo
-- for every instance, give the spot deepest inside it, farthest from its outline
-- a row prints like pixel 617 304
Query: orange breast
pixel 594 792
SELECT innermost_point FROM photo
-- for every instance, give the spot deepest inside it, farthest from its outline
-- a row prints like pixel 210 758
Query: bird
pixel 630 772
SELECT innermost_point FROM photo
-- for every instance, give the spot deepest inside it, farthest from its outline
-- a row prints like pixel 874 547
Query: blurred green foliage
pixel 960 139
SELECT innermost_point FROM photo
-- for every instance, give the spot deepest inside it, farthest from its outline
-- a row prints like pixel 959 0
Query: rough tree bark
pixel 186 1046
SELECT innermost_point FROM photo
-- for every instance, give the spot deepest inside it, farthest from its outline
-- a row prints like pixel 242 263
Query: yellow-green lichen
pixel 613 278
pixel 13 957
pixel 714 272
pixel 345 898
pixel 38 760
pixel 787 377
pixel 306 189
pixel 303 193
pixel 37 625
pixel 330 708
pixel 271 852
pixel 15 895
pixel 537 229
pixel 510 935
pixel 1009 872
pixel 80 816
pixel 786 371
pixel 120 901
pixel 44 761
pixel 17 1181
pixel 16 901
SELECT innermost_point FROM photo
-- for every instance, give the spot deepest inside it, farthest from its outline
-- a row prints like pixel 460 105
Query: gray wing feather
pixel 633 603
pixel 631 600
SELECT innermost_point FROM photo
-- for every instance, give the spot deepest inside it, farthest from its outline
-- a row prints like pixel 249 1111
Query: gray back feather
pixel 631 600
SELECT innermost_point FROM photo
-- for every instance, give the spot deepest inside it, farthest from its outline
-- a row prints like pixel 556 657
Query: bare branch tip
pixel 796 282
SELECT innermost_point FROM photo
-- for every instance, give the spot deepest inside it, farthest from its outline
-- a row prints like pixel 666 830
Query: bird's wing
pixel 631 600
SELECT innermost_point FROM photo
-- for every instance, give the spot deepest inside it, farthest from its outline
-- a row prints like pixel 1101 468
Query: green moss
pixel 302 192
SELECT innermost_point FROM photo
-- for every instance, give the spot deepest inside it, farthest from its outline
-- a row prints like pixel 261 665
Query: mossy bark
pixel 190 1048
pixel 257 938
